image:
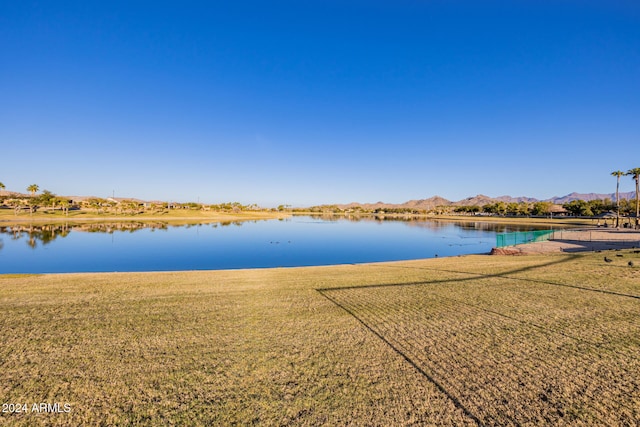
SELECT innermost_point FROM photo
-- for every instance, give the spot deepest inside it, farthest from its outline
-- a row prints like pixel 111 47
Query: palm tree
pixel 33 189
pixel 64 204
pixel 617 174
pixel 2 187
pixel 635 173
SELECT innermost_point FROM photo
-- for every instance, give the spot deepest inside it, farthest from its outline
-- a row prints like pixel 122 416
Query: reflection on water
pixel 294 241
pixel 33 234
pixel 473 225
pixel 46 233
pixel 431 224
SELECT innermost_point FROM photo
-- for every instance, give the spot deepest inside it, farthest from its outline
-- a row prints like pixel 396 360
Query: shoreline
pixel 565 221
pixel 7 217
pixel 567 245
pixel 251 269
pixel 88 217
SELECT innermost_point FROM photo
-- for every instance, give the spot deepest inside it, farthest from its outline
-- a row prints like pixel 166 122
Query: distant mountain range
pixel 432 202
pixel 481 200
pixel 592 196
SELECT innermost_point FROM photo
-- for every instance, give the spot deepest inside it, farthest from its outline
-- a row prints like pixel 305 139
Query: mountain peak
pixel 481 199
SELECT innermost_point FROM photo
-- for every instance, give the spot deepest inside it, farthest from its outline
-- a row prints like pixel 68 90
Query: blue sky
pixel 316 102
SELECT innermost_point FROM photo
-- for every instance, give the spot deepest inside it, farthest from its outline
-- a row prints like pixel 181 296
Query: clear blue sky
pixel 310 102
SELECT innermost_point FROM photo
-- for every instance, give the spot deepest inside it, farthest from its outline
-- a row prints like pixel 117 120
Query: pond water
pixel 296 241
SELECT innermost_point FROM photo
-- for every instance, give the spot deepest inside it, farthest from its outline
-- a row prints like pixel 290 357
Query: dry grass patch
pixel 200 348
pixel 455 341
pixel 174 217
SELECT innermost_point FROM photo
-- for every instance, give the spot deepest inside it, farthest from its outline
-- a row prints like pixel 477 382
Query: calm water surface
pixel 297 241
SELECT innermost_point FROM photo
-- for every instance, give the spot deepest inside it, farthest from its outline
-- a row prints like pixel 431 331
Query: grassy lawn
pixel 533 340
pixel 8 217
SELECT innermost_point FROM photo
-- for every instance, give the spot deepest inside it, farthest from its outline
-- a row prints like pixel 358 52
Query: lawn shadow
pixel 475 276
pixel 332 294
pixel 457 403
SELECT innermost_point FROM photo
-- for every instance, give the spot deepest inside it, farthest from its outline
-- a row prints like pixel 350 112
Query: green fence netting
pixel 520 237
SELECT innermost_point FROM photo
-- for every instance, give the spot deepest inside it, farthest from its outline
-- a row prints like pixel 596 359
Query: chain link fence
pixel 520 237
pixel 592 238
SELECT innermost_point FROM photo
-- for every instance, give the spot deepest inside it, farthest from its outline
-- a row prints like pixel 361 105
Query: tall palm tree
pixel 635 174
pixel 33 189
pixel 64 204
pixel 617 174
pixel 2 187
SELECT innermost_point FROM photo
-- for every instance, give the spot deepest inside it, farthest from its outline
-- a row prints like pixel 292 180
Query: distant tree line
pixel 49 201
pixel 574 208
pixel 512 208
pixel 33 201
